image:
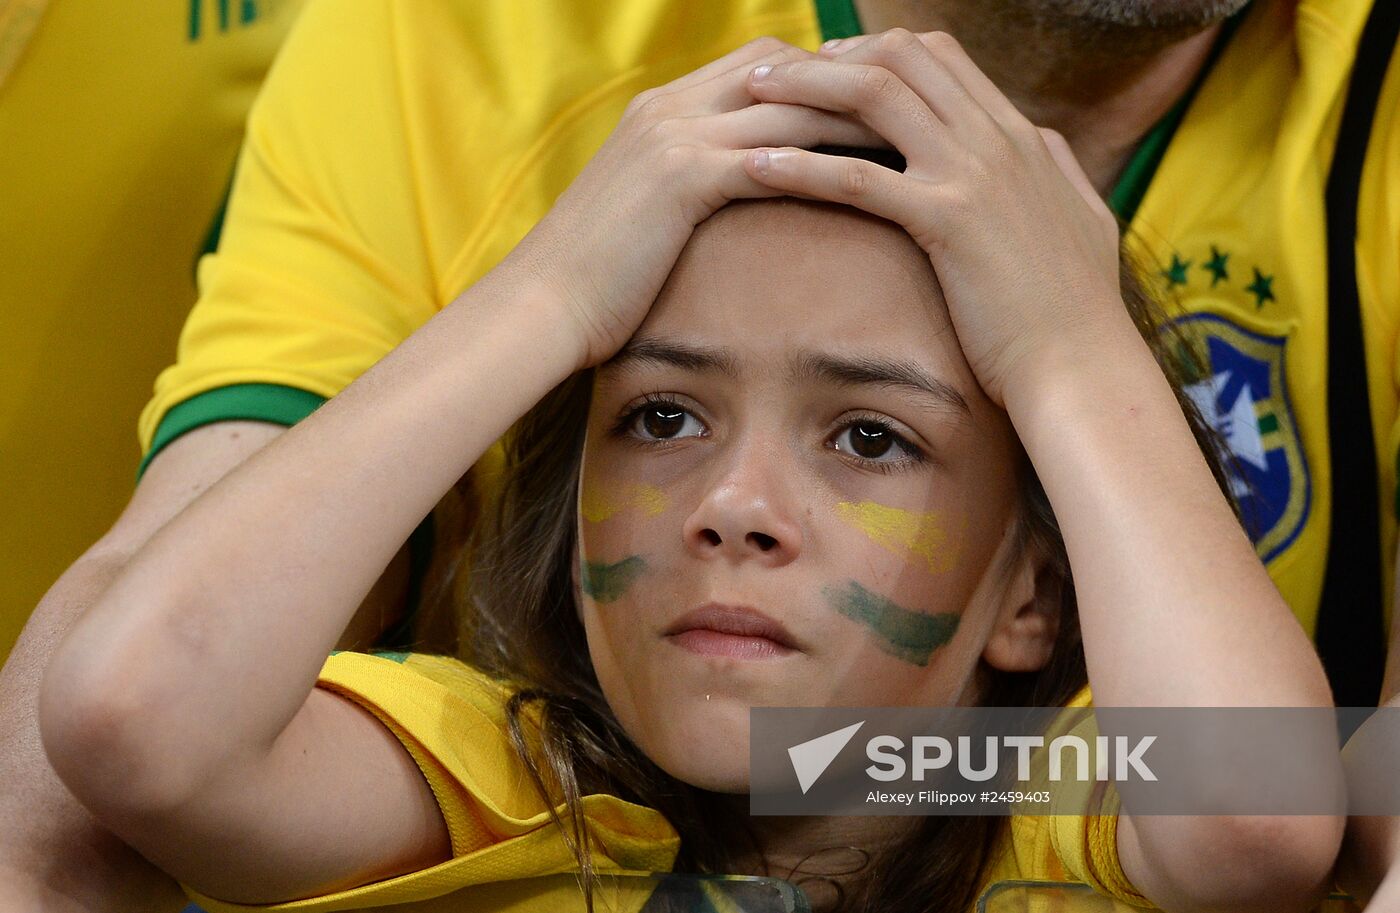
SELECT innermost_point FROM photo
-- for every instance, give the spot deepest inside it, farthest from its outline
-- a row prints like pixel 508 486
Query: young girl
pixel 798 476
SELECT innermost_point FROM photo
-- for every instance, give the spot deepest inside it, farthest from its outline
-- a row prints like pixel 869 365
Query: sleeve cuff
pixel 273 403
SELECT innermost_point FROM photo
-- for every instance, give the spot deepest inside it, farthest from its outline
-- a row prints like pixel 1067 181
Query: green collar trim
pixel 1137 175
pixel 838 18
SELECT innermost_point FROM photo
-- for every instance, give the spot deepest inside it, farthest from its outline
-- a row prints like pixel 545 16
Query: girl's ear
pixel 1028 623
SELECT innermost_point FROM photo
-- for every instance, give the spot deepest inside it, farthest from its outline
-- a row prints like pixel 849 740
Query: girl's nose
pixel 746 516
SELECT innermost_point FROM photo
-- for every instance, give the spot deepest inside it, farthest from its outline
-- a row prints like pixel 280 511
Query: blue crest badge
pixel 1244 399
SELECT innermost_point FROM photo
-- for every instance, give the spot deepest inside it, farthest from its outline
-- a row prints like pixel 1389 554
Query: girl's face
pixel 794 493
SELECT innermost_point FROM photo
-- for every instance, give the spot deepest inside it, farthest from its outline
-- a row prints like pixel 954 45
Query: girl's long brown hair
pixel 518 621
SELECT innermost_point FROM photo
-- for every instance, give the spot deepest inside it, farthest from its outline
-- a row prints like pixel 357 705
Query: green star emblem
pixel 1176 273
pixel 1216 265
pixel 1262 288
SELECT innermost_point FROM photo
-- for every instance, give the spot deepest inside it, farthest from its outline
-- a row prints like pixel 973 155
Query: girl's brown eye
pixel 870 441
pixel 877 443
pixel 663 421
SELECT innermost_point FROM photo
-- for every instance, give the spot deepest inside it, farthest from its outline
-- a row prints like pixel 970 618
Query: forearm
pixel 54 857
pixel 1176 611
pixel 1176 608
pixel 281 551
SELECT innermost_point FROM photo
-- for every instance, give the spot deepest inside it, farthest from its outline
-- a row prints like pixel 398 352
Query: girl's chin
pixel 705 746
pixel 732 782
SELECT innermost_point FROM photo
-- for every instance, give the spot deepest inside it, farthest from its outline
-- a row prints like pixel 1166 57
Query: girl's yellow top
pixel 451 718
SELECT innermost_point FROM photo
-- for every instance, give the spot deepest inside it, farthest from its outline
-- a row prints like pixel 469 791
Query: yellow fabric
pixel 452 720
pixel 18 21
pixel 118 133
pixel 1078 839
pixel 401 150
pixel 1244 178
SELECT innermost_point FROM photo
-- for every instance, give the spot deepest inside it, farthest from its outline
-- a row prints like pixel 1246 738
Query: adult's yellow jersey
pixel 400 150
pixel 1235 220
pixel 119 125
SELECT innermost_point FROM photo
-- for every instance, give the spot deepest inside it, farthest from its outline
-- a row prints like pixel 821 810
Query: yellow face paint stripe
pixel 903 531
pixel 597 505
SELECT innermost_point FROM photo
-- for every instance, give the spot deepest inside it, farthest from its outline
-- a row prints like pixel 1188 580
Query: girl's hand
pixel 611 239
pixel 1025 250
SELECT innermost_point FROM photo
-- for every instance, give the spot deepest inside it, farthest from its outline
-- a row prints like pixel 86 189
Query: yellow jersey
pixel 1234 219
pixel 119 126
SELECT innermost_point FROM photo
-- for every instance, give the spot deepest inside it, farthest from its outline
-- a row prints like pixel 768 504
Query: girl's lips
pixel 715 629
pixel 740 646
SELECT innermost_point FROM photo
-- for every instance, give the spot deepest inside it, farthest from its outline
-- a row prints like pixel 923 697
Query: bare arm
pixel 53 855
pixel 309 792
pixel 1176 610
pixel 221 762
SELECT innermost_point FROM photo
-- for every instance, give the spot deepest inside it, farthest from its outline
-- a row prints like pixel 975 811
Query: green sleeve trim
pixel 239 402
pixel 287 406
pixel 1132 184
pixel 838 19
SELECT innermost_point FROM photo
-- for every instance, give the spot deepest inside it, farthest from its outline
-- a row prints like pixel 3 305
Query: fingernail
pixel 760 72
pixel 760 161
pixel 831 45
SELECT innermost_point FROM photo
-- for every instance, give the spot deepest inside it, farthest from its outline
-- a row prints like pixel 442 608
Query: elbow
pixel 1249 864
pixel 1284 862
pixel 106 739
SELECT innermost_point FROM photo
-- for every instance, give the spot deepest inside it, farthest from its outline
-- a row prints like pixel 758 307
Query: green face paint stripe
pixel 902 633
pixel 606 582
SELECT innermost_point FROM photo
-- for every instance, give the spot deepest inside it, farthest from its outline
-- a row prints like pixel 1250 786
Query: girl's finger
pixel 751 53
pixel 878 97
pixel 838 46
pixel 729 91
pixel 865 185
pixel 727 173
pixel 946 49
pixel 904 54
pixel 775 124
pixel 950 53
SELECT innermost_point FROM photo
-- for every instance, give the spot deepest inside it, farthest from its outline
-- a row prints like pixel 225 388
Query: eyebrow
pixel 676 355
pixel 844 371
pixel 869 371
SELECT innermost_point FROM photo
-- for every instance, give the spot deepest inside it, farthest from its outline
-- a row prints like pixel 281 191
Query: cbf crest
pixel 1239 390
